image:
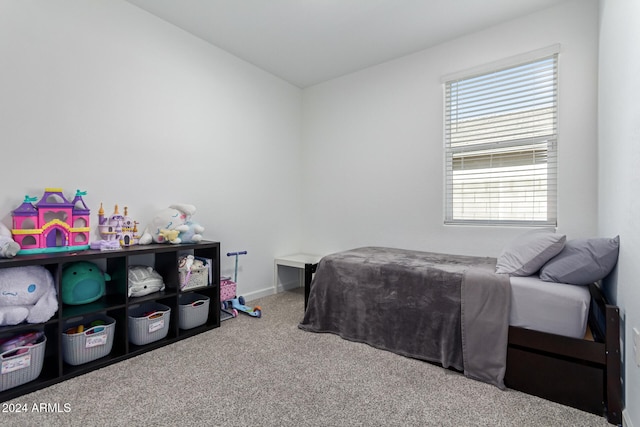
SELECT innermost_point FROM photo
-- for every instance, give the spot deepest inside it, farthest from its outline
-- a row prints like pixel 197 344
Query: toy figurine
pixel 116 231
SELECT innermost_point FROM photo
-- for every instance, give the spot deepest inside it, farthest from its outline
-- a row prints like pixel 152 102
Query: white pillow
pixel 528 252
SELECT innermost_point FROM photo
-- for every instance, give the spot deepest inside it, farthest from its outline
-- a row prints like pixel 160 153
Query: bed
pixel 559 341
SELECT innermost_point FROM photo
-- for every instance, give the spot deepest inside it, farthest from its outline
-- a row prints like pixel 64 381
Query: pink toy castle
pixel 117 228
pixel 54 224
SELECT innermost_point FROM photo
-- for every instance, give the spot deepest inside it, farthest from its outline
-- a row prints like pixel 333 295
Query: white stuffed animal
pixel 165 224
pixel 194 233
pixel 27 293
pixel 8 247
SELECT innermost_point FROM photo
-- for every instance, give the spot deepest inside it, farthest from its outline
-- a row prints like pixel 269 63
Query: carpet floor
pixel 267 372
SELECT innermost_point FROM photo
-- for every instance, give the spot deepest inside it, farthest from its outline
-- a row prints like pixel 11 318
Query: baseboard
pixel 626 421
pixel 268 291
pixel 258 294
pixel 288 287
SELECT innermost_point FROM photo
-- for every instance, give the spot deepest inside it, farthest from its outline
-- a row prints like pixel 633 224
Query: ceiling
pixel 310 41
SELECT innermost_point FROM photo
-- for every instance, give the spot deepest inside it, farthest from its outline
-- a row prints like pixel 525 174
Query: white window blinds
pixel 500 146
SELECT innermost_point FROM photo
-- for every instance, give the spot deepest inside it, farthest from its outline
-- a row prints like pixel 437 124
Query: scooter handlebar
pixel 236 253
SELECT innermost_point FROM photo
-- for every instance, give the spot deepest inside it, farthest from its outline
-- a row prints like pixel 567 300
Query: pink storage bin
pixel 227 289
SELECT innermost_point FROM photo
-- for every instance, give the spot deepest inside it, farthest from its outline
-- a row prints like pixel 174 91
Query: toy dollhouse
pixel 117 228
pixel 53 224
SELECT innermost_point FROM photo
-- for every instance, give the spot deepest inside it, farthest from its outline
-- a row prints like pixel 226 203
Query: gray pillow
pixel 528 252
pixel 582 261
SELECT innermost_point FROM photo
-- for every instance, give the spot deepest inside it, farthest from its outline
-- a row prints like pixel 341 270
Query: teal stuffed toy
pixel 82 282
pixel 27 294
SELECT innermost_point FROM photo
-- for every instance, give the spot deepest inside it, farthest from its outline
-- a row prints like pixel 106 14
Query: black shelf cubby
pixel 115 303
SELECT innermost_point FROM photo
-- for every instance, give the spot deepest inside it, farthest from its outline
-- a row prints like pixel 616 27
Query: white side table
pixel 305 264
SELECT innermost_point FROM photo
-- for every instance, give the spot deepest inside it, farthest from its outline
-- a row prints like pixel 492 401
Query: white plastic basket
pixel 193 310
pixel 17 369
pixel 91 344
pixel 148 322
pixel 194 279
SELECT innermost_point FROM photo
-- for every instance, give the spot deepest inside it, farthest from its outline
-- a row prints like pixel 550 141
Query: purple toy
pixel 116 230
pixel 54 224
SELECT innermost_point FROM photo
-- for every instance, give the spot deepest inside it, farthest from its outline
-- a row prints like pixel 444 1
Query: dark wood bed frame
pixel 580 373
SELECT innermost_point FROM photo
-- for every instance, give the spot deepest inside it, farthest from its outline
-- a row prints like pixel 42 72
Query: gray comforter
pixel 449 309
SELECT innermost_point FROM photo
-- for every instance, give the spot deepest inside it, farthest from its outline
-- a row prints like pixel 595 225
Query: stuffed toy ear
pixel 13 315
pixel 8 247
pixel 146 238
pixel 47 305
pixel 184 208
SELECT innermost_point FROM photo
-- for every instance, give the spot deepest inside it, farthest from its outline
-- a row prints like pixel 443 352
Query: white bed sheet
pixel 555 308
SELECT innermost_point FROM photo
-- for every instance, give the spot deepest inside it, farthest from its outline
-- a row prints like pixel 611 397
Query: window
pixel 500 145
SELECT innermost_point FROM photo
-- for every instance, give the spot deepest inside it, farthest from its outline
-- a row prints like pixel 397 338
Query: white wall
pixel 619 172
pixel 104 97
pixel 373 140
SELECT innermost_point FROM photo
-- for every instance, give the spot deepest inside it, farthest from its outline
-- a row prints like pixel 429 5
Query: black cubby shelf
pixel 115 304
